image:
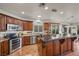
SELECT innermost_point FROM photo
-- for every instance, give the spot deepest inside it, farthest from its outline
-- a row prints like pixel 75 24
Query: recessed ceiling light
pixel 22 12
pixel 39 16
pixel 46 8
pixel 61 12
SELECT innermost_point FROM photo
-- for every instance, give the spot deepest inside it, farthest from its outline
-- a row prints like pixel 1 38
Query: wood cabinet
pixel 69 44
pixel 24 25
pixel 44 50
pixel 4 48
pixel 56 48
pixel 2 22
pixel 50 48
pixel 64 47
pixel 21 23
pixel 18 22
pixel 28 25
pixel 46 26
pixel 25 40
pixel 10 20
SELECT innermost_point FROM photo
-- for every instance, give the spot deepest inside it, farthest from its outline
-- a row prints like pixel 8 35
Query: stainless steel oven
pixel 15 44
pixel 14 40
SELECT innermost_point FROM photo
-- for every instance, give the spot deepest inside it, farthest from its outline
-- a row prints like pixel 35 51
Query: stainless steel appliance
pixel 15 44
pixel 13 27
pixel 14 40
pixel 32 39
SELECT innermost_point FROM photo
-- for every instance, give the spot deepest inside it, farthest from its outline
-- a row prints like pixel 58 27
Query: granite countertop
pixel 56 38
pixel 3 39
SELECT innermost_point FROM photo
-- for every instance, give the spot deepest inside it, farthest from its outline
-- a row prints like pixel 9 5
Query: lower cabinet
pixel 69 46
pixel 47 49
pixel 25 40
pixel 64 47
pixel 56 47
pixel 44 48
pixel 4 48
pixel 50 48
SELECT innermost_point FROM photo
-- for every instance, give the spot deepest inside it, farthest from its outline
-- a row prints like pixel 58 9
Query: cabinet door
pixel 24 25
pixel 46 26
pixel 50 48
pixel 44 52
pixel 10 20
pixel 64 47
pixel 16 21
pixel 25 40
pixel 2 22
pixel 27 25
pixel 5 48
pixel 56 47
pixel 69 46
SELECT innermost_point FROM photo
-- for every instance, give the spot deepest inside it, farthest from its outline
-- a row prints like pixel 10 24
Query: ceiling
pixel 32 10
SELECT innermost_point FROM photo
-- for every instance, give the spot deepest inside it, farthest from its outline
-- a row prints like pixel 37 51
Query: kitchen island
pixel 56 47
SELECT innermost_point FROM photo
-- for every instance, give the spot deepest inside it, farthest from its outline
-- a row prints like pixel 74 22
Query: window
pixel 38 26
pixel 54 29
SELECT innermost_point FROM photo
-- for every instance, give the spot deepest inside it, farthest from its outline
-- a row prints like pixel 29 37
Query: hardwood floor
pixel 32 50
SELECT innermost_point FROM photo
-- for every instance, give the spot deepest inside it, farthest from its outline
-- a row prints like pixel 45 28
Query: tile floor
pixel 32 50
pixel 76 49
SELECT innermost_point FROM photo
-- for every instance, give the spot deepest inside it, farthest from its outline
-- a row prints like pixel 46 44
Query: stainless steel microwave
pixel 13 27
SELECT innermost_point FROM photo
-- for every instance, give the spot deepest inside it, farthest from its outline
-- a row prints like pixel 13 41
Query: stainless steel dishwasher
pixel 32 39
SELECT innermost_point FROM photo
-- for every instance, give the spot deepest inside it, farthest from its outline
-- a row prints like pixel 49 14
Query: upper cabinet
pixel 27 25
pixel 46 26
pixel 2 22
pixel 10 20
pixel 30 25
pixel 4 19
pixel 18 22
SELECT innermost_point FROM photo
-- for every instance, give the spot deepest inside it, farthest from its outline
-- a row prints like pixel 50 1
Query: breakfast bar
pixel 56 47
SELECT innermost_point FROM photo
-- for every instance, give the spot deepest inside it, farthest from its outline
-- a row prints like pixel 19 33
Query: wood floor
pixel 32 50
